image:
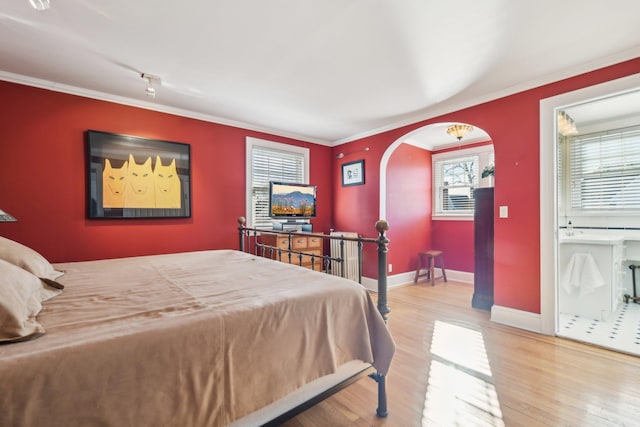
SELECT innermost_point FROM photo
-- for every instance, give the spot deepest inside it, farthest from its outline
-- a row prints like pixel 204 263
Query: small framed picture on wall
pixel 353 173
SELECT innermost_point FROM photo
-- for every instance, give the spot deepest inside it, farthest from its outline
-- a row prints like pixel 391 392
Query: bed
pixel 208 338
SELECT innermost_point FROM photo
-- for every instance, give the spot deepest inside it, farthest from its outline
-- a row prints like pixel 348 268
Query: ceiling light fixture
pixel 566 125
pixel 459 131
pixel 39 4
pixel 151 82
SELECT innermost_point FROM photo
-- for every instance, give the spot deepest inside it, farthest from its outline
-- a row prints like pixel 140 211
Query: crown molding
pixel 426 114
pixel 101 96
pixel 436 111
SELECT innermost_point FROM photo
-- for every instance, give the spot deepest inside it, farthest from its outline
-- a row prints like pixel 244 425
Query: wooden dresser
pixel 311 244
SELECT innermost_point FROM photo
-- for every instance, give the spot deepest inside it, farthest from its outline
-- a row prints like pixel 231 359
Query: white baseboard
pixel 504 315
pixel 516 318
pixel 371 284
pixel 460 276
pixel 404 279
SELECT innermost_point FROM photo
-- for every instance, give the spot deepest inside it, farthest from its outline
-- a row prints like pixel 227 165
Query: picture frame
pixel 131 177
pixel 353 173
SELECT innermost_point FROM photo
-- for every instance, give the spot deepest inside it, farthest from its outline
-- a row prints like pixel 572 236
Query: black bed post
pixel 241 221
pixel 382 226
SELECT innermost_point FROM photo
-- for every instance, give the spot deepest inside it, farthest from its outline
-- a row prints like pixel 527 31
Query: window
pixel 604 170
pixel 455 175
pixel 270 161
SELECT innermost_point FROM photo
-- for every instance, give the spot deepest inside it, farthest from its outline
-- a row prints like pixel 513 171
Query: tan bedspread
pixel 190 339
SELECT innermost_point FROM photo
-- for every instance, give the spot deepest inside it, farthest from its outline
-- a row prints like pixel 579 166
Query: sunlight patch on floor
pixel 460 391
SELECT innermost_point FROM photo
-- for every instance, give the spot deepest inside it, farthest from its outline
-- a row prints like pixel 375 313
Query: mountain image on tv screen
pixel 292 203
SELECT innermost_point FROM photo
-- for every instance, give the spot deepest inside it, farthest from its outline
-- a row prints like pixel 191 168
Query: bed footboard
pixel 250 242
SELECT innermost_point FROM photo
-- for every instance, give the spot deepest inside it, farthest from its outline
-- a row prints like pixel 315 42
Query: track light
pixel 39 4
pixel 151 82
pixel 341 155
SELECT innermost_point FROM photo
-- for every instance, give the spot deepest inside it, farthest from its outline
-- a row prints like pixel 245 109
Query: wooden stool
pixel 428 260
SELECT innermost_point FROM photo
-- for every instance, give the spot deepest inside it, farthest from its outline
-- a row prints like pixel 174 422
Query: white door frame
pixel 548 187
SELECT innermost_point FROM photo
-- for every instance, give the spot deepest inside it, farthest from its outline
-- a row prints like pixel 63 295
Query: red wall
pixel 455 239
pixel 353 206
pixel 409 205
pixel 357 207
pixel 513 123
pixel 42 147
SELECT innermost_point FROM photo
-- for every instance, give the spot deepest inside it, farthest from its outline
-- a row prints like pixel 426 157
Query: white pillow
pixel 27 259
pixel 47 291
pixel 20 294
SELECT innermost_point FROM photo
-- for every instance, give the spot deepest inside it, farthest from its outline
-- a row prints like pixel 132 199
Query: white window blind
pixel 605 170
pixel 455 180
pixel 267 162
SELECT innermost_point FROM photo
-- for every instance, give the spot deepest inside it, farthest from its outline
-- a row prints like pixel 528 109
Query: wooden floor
pixel 453 367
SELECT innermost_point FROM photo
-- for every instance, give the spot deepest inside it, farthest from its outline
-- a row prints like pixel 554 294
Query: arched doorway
pixel 407 198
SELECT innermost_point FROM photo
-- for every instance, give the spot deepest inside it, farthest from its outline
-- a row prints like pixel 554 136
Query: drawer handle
pixel 300 240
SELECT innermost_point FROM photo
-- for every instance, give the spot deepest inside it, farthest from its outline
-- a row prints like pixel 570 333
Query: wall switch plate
pixel 504 211
pixel 390 268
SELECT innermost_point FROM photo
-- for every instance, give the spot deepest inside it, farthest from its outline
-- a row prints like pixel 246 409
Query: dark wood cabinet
pixel 483 247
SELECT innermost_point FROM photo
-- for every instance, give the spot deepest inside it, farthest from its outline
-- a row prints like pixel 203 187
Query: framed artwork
pixel 353 173
pixel 130 177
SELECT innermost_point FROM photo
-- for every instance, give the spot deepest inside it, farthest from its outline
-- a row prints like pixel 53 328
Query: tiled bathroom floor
pixel 621 331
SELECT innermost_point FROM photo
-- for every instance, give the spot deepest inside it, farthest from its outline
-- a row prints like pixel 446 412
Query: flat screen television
pixel 292 201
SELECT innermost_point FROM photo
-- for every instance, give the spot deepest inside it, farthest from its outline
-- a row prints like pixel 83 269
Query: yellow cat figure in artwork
pixel 140 191
pixel 167 185
pixel 113 184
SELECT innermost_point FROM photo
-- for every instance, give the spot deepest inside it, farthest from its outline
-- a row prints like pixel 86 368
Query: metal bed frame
pixel 250 242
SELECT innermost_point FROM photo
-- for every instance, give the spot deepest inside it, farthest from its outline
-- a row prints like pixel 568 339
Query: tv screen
pixel 291 200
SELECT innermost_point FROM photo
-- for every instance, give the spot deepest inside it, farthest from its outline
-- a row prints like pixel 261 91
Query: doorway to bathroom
pixel 598 221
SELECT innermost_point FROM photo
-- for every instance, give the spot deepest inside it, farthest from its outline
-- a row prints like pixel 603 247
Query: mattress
pixel 190 339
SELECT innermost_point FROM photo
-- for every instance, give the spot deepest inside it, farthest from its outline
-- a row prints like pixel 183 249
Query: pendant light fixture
pixel 566 125
pixel 459 130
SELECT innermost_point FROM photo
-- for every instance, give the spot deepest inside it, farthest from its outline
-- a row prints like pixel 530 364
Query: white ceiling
pixel 611 112
pixel 322 71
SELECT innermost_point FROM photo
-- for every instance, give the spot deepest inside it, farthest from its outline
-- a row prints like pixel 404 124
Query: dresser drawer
pixel 311 245
pixel 314 242
pixel 282 242
pixel 299 242
pixel 306 259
